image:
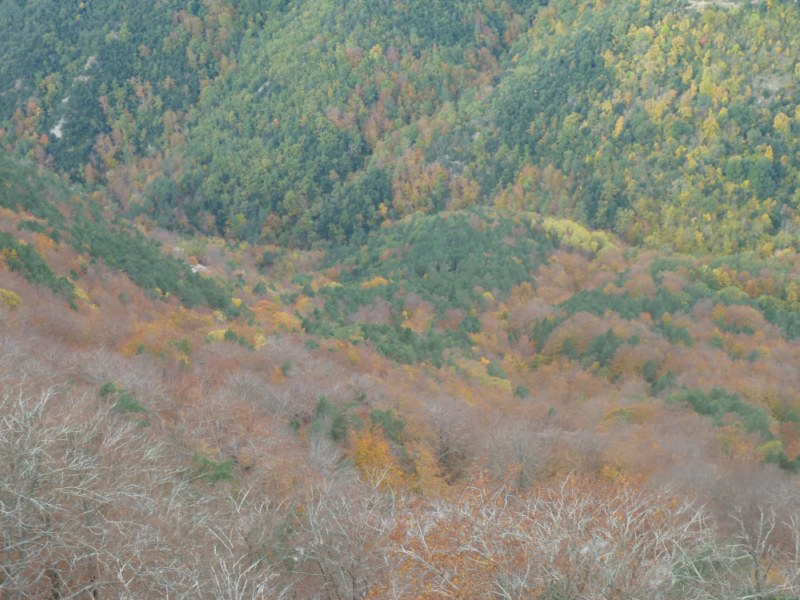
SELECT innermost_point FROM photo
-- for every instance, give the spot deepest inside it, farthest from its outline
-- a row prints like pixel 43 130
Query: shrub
pixel 719 403
pixel 211 470
pixel 391 424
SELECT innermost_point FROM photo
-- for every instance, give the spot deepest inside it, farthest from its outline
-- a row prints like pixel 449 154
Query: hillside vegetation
pixel 433 299
pixel 669 123
pixel 352 421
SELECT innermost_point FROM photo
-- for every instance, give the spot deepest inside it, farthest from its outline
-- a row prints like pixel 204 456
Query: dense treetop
pixel 672 122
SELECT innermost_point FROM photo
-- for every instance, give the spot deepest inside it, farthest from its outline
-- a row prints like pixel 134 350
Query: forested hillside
pixel 459 392
pixel 669 123
pixel 379 300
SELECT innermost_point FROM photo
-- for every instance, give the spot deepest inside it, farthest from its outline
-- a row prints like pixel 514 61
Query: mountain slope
pixel 60 223
pixel 672 124
pixel 374 399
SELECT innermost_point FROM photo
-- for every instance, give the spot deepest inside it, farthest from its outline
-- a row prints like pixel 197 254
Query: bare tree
pixel 766 550
pixel 87 503
pixel 247 552
pixel 579 540
pixel 341 539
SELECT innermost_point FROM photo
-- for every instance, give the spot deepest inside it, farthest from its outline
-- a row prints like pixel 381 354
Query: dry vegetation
pixel 147 456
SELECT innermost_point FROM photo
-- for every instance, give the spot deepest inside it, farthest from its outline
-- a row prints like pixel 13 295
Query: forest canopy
pixel 667 123
pixel 380 299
